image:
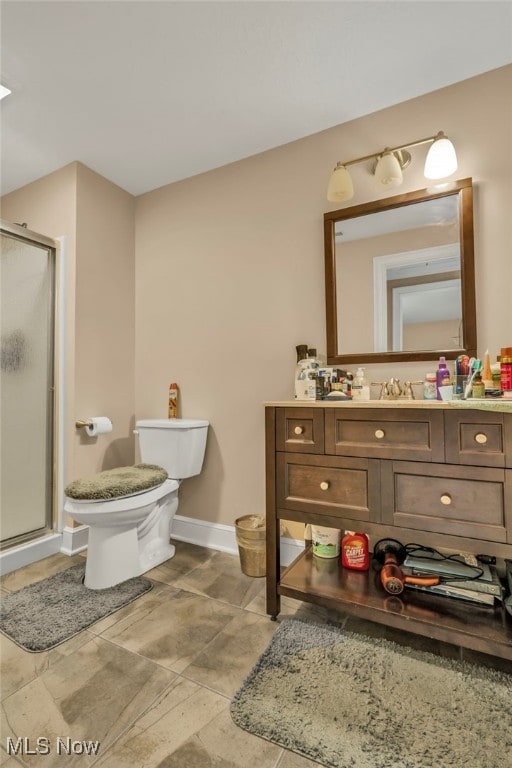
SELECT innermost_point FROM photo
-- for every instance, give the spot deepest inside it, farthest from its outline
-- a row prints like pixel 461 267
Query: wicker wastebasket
pixel 250 537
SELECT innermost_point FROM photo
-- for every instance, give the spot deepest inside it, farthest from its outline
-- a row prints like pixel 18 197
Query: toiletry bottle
pixel 173 401
pixel 360 386
pixel 506 369
pixel 305 384
pixel 487 373
pixel 355 551
pixel 478 386
pixel 442 377
pixel 302 355
pixel 429 387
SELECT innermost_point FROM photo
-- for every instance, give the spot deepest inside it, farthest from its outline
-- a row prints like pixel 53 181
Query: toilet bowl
pixel 129 533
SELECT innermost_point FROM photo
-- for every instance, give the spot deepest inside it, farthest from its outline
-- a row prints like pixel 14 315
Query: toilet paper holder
pixel 95 425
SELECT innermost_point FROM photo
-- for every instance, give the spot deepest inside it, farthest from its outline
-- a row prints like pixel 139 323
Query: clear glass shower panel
pixel 26 388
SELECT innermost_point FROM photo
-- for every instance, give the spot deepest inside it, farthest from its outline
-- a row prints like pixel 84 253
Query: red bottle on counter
pixel 355 551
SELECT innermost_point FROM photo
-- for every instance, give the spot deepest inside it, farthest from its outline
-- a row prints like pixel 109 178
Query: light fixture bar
pixel 441 162
pixel 429 139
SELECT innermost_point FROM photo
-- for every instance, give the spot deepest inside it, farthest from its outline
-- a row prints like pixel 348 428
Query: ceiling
pixel 147 93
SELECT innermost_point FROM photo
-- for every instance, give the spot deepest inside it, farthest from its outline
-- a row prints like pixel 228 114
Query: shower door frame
pixel 51 522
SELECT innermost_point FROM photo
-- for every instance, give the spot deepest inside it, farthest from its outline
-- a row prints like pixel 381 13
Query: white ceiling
pixel 146 93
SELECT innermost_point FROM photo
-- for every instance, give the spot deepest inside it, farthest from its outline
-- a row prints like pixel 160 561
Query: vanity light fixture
pixel 4 91
pixel 441 161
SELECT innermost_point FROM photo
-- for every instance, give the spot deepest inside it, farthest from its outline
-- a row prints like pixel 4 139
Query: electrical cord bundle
pixel 389 554
pixel 418 552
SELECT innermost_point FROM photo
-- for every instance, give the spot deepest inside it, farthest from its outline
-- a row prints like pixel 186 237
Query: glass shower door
pixel 27 269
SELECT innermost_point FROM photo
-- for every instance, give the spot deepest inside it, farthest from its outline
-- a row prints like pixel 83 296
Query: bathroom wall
pixel 97 219
pixel 230 275
pixel 105 324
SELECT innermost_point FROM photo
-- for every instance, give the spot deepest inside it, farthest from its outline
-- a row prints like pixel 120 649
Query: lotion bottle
pixel 442 376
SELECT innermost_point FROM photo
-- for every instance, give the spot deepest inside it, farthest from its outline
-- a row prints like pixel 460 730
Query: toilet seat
pixel 97 507
pixel 117 483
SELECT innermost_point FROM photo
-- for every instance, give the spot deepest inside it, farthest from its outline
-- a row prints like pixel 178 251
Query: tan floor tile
pixel 175 630
pixel 8 762
pixel 222 579
pixel 182 712
pixel 38 571
pixel 138 608
pixel 224 663
pixel 95 693
pixel 18 667
pixel 223 745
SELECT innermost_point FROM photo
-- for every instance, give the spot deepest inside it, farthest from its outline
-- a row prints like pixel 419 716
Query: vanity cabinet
pixel 425 474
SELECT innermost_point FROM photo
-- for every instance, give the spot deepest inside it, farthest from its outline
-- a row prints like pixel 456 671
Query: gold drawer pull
pixel 299 430
pixel 324 485
pixel 379 434
pixel 481 438
pixel 446 499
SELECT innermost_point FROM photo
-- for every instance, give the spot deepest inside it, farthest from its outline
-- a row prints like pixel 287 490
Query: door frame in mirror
pixel 464 189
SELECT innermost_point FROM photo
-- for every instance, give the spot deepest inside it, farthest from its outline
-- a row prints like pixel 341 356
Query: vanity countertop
pixel 498 405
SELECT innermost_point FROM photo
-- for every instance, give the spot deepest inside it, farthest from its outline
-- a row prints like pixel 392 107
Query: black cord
pixel 413 549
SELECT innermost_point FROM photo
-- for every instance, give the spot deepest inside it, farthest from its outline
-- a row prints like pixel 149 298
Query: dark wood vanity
pixel 423 473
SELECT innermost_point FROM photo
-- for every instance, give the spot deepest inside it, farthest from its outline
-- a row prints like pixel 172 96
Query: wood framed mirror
pixel 400 278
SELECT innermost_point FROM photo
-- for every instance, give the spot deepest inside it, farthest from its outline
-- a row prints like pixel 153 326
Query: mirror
pixel 399 278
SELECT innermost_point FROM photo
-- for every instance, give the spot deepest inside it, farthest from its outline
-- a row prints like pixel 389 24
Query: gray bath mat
pixel 348 701
pixel 47 613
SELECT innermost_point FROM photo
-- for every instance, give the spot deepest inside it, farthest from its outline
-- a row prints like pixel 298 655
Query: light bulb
pixel 388 171
pixel 340 185
pixel 441 159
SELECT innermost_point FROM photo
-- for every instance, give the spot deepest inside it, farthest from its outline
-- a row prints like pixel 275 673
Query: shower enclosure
pixel 27 317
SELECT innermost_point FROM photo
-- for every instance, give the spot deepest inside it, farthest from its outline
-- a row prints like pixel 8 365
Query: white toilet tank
pixel 177 445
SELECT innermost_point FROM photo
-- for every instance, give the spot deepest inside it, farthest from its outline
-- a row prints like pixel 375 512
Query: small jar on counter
pixel 429 387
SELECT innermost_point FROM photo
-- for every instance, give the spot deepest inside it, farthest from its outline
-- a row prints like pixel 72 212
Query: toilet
pixel 129 532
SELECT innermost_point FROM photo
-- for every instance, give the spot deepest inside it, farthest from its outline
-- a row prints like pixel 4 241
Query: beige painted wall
pixel 105 325
pixel 230 277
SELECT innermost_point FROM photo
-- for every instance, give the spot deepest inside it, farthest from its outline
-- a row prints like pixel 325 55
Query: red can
pixel 355 551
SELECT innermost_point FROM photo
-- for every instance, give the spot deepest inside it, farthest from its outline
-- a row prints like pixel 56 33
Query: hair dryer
pixel 390 554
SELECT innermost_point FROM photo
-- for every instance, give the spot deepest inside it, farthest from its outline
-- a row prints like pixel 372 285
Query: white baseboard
pixel 74 540
pixel 223 537
pixel 31 552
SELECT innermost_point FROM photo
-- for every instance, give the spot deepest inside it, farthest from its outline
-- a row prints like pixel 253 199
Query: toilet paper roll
pixel 98 425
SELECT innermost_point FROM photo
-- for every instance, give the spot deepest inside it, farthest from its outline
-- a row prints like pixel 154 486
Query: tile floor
pixel 152 683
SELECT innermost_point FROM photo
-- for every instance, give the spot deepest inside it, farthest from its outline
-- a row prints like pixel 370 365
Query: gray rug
pixel 348 701
pixel 47 613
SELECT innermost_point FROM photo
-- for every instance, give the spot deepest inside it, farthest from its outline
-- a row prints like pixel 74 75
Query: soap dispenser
pixel 360 386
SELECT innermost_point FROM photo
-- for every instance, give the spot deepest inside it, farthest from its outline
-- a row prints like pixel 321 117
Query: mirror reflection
pixel 399 277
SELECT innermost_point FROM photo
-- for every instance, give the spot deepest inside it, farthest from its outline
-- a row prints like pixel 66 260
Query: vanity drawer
pixel 463 501
pixel 300 429
pixel 338 487
pixel 479 438
pixel 401 434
